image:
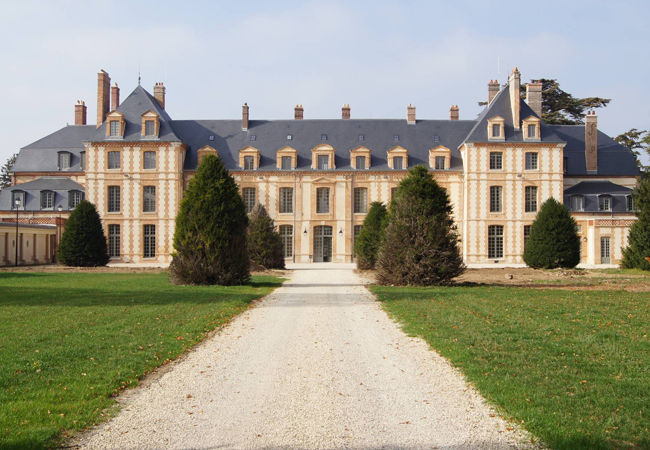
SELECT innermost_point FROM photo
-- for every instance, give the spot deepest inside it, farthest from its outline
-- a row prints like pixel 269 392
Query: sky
pixel 376 55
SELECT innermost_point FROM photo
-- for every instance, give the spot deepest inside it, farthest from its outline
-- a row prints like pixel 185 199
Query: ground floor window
pixel 526 234
pixel 495 241
pixel 149 241
pixel 114 241
pixel 286 235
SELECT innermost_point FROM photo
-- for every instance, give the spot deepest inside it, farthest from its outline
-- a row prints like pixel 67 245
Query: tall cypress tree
pixel 366 246
pixel 264 242
pixel 210 236
pixel 83 243
pixel 638 247
pixel 421 242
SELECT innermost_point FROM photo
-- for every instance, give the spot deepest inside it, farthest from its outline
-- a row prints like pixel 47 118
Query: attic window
pixel 323 137
pixel 289 137
pixel 396 137
pixel 211 138
pixel 64 161
pixel 361 137
pixel 253 137
pixel 115 127
pixel 149 128
pixel 436 138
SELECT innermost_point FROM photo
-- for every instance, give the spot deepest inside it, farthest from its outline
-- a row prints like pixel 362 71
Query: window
pixel 253 137
pixel 531 161
pixel 531 198
pixel 82 160
pixel 47 200
pixel 323 137
pixel 322 200
pixel 249 198
pixel 114 160
pixel 526 234
pixel 286 200
pixel 286 163
pixel 149 160
pixel 577 203
pixel 630 203
pixel 393 192
pixel 495 241
pixel 496 130
pixel 440 163
pixel 74 198
pixel 436 138
pixel 149 241
pixel 149 199
pixel 323 162
pixel 20 197
pixel 578 229
pixel 496 161
pixel 286 236
pixel 361 137
pixel 249 162
pixel 565 165
pixel 604 203
pixel 149 128
pixel 114 241
pixel 398 163
pixel 361 162
pixel 289 137
pixel 360 200
pixel 113 199
pixel 532 131
pixel 115 127
pixel 496 199
pixel 396 137
pixel 64 161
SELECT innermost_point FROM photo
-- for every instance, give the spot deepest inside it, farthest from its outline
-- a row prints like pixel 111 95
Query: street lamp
pixel 17 204
pixel 58 228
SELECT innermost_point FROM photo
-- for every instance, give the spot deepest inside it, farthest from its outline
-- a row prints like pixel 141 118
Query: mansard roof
pixel 60 185
pixel 41 156
pixel 591 190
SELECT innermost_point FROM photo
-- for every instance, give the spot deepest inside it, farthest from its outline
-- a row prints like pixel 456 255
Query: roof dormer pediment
pixel 150 114
pixel 115 114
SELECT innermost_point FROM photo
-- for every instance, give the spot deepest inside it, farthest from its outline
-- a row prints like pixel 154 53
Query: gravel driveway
pixel 316 365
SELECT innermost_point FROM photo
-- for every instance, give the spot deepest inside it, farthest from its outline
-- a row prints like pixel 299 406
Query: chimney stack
pixel 534 96
pixel 410 115
pixel 493 90
pixel 103 96
pixel 159 94
pixel 115 96
pixel 454 113
pixel 515 97
pixel 244 117
pixel 298 112
pixel 80 113
pixel 345 112
pixel 591 141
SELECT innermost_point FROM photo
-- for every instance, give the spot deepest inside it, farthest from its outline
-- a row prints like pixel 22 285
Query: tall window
pixel 149 199
pixel 630 203
pixel 323 200
pixel 526 235
pixel 604 203
pixel 113 199
pixel 398 162
pixel 149 241
pixel 565 164
pixel 114 160
pixel 149 128
pixel 249 198
pixel 286 163
pixel 115 127
pixel 149 160
pixel 18 196
pixel 286 236
pixel 64 161
pixel 47 200
pixel 361 200
pixel 496 130
pixel 531 198
pixel 532 131
pixel 323 162
pixel 286 200
pixel 577 203
pixel 496 199
pixel 249 162
pixel 440 163
pixel 531 161
pixel 495 241
pixel 361 162
pixel 74 197
pixel 496 160
pixel 82 160
pixel 114 241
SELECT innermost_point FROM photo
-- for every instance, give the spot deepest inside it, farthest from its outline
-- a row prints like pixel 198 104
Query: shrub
pixel 366 246
pixel 83 243
pixel 264 242
pixel 553 240
pixel 638 240
pixel 210 237
pixel 421 242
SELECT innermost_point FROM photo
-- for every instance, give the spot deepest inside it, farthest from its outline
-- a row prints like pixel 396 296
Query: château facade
pixel 317 178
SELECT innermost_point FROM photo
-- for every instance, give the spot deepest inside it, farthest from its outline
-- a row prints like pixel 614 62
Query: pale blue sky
pixel 378 56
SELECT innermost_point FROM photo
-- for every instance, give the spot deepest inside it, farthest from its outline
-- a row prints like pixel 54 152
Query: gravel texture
pixel 316 365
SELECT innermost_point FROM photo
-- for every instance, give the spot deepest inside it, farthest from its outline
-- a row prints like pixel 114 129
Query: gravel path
pixel 316 365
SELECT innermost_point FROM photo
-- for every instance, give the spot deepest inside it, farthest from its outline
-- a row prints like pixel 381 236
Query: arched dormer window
pixel 150 125
pixel 249 158
pixel 577 203
pixel 360 158
pixel 440 158
pixel 531 129
pixel 398 158
pixel 496 129
pixel 115 125
pixel 64 160
pixel 74 198
pixel 322 157
pixel 18 200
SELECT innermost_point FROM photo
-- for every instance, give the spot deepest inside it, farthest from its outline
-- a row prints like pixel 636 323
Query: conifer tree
pixel 638 248
pixel 83 243
pixel 421 242
pixel 366 246
pixel 553 240
pixel 264 242
pixel 210 237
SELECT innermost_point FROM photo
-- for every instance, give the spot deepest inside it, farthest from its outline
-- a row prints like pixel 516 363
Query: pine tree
pixel 83 243
pixel 366 246
pixel 5 178
pixel 210 237
pixel 638 247
pixel 264 242
pixel 421 242
pixel 553 240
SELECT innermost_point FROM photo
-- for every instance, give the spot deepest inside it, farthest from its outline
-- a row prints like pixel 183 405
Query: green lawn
pixel 572 366
pixel 70 341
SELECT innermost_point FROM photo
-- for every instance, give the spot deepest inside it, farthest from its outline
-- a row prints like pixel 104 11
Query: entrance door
pixel 604 251
pixel 322 243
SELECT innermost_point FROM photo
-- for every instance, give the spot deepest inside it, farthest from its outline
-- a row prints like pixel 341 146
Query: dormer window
pixel 360 158
pixel 249 162
pixel 82 160
pixel 398 158
pixel 395 137
pixel 150 125
pixel 64 160
pixel 47 200
pixel 289 137
pixel 531 129
pixel 323 137
pixel 149 128
pixel 440 158
pixel 496 129
pixel 631 203
pixel 115 127
pixel 249 158
pixel 398 162
pixel 286 158
pixel 74 198
pixel 323 162
pixel 577 203
pixel 18 200
pixel 604 203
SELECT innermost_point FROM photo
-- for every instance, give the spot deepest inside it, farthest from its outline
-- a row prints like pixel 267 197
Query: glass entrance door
pixel 322 243
pixel 604 251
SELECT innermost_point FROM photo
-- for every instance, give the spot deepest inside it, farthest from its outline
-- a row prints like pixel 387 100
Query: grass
pixel 572 366
pixel 71 341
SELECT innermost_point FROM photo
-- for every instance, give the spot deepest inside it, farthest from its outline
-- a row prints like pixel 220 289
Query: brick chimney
pixel 534 96
pixel 103 96
pixel 115 96
pixel 298 112
pixel 244 117
pixel 80 113
pixel 591 141
pixel 515 97
pixel 493 90
pixel 454 112
pixel 345 112
pixel 159 94
pixel 410 115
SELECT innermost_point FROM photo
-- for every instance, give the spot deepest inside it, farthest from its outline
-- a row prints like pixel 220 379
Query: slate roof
pixel 60 185
pixel 591 190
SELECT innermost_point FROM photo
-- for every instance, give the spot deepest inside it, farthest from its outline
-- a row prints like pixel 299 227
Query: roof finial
pixel 139 78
